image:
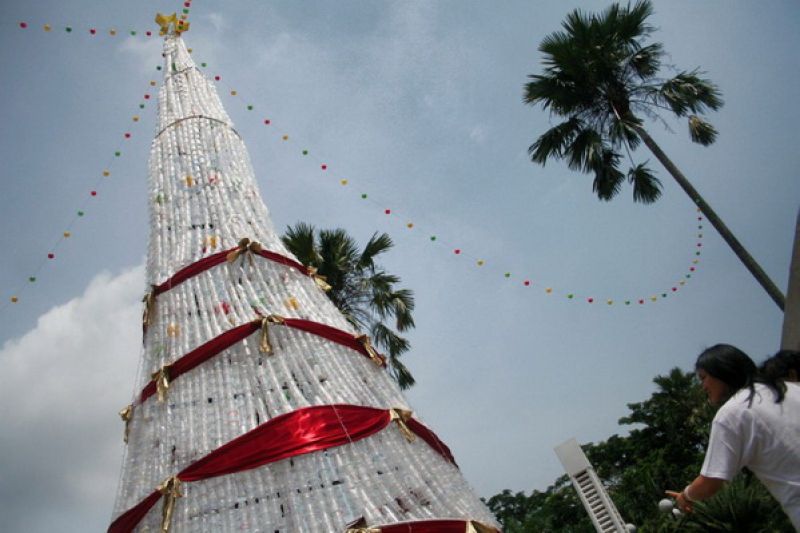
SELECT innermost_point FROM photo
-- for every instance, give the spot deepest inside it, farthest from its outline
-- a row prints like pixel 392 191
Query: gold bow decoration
pixel 377 358
pixel 149 311
pixel 360 526
pixel 401 416
pixel 473 526
pixel 126 414
pixel 321 281
pixel 171 490
pixel 165 21
pixel 264 345
pixel 161 377
pixel 246 248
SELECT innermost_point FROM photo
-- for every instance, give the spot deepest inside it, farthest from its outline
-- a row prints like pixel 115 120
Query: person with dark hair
pixel 757 426
pixel 783 365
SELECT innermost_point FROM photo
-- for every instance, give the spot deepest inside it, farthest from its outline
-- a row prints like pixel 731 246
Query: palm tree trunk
pixel 733 242
pixel 790 340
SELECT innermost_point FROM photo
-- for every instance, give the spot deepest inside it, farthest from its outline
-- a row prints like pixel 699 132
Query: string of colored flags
pixel 382 206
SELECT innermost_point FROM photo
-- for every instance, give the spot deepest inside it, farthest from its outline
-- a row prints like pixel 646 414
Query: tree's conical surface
pixel 204 199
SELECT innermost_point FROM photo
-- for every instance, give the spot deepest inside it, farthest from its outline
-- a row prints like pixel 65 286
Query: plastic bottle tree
pixel 258 407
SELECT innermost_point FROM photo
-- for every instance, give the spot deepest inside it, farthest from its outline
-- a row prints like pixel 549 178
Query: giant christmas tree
pixel 261 409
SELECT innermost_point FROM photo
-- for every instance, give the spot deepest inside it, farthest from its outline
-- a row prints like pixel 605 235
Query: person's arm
pixel 701 488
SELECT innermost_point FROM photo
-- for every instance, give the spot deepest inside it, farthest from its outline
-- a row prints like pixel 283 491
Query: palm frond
pixel 402 302
pixel 377 245
pixel 391 342
pixel 608 178
pixel 646 61
pixel 687 92
pixel 584 150
pixel 557 92
pixel 630 24
pixel 401 373
pixel 363 293
pixel 551 143
pixel 300 241
pixel 380 281
pixel 701 131
pixel 621 133
pixel 338 249
pixel 646 187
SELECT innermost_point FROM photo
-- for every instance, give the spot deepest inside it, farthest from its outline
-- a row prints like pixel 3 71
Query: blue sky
pixel 417 104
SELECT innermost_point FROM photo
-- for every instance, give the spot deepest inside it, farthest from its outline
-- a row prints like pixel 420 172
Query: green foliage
pixel 363 292
pixel 663 451
pixel 601 76
pixel 744 506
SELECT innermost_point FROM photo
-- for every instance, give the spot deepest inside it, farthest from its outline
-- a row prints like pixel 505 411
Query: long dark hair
pixel 777 369
pixel 730 365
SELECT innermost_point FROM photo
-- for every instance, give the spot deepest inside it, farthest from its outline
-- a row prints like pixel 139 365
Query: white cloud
pixel 145 51
pixel 60 389
pixel 218 21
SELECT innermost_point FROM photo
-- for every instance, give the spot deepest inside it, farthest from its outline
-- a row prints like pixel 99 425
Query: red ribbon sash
pixel 300 432
pixel 213 260
pixel 428 526
pixel 206 351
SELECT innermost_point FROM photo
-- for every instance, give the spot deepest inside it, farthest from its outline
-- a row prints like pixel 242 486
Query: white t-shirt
pixel 765 438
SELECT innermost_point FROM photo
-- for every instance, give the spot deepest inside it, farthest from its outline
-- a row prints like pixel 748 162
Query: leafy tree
pixel 664 450
pixel 363 292
pixel 602 76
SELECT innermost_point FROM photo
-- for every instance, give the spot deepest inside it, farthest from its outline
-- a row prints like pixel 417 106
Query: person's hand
pixel 680 499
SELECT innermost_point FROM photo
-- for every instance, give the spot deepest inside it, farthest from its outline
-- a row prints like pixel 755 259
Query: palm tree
pixel 602 77
pixel 362 291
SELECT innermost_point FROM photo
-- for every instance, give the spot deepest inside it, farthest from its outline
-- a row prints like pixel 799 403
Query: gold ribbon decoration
pixel 181 26
pixel 149 311
pixel 165 21
pixel 401 416
pixel 321 281
pixel 171 490
pixel 373 354
pixel 126 415
pixel 246 247
pixel 161 377
pixel 264 345
pixel 473 526
pixel 360 526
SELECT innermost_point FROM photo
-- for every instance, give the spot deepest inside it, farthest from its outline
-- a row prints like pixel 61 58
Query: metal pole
pixel 790 339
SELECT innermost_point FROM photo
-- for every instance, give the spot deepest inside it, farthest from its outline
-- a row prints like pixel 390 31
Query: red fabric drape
pixel 203 353
pixel 422 431
pixel 302 431
pixel 206 351
pixel 332 334
pixel 192 270
pixel 213 260
pixel 428 526
pixel 128 520
pixel 278 258
pixel 296 433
